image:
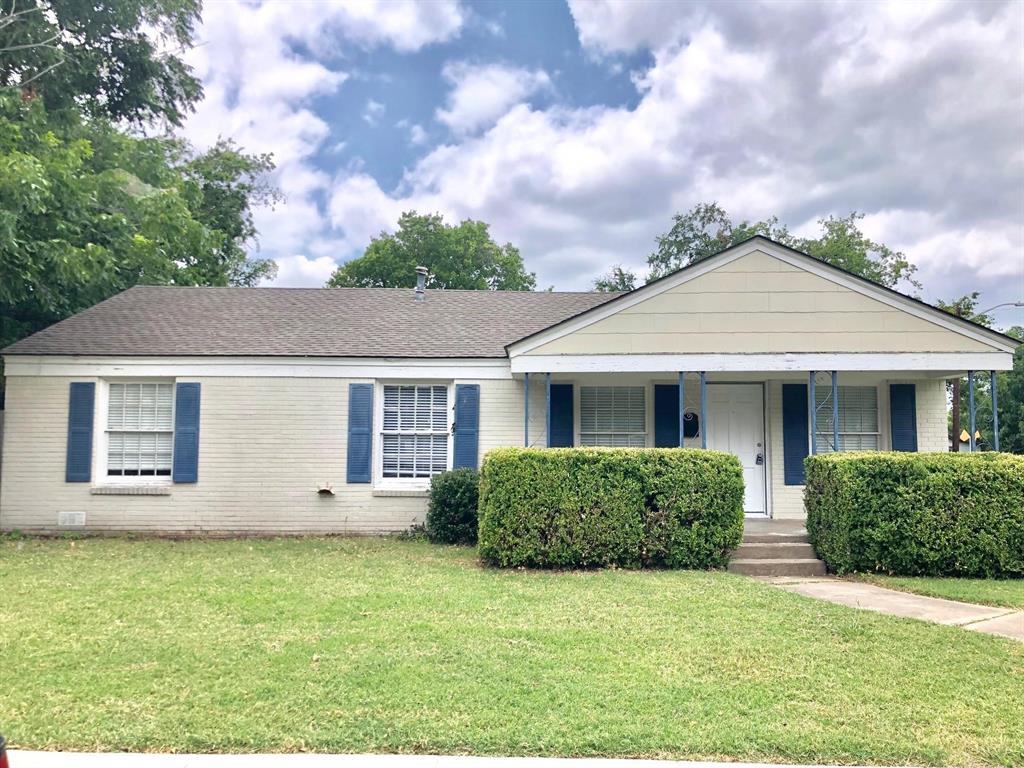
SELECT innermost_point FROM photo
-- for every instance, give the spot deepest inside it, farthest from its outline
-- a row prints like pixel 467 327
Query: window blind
pixel 613 416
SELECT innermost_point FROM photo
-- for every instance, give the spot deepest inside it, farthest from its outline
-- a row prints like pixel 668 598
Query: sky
pixel 576 130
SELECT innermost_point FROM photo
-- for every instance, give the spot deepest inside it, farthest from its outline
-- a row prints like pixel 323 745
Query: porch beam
pixel 682 407
pixel 971 410
pixel 526 410
pixel 835 411
pixel 995 409
pixel 547 401
pixel 812 413
pixel 935 362
pixel 703 410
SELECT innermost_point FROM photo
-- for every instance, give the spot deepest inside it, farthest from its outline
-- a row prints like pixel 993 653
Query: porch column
pixel 682 407
pixel 526 410
pixel 703 410
pixel 970 408
pixel 812 413
pixel 835 411
pixel 995 409
pixel 547 400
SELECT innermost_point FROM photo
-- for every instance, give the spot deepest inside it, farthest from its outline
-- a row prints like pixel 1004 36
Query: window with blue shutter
pixel 562 426
pixel 666 415
pixel 794 432
pixel 467 426
pixel 360 433
pixel 185 468
pixel 903 416
pixel 81 407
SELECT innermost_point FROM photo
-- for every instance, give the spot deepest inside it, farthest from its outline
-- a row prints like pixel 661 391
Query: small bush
pixel 587 507
pixel 451 515
pixel 918 514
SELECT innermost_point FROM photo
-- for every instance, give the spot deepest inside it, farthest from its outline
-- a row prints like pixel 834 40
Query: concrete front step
pixel 777 566
pixel 786 550
pixel 775 538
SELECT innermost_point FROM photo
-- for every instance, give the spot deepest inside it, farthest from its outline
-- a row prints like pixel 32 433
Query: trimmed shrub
pixel 917 514
pixel 451 513
pixel 630 507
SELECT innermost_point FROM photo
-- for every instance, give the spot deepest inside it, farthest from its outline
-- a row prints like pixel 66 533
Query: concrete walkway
pixel 20 759
pixel 1005 622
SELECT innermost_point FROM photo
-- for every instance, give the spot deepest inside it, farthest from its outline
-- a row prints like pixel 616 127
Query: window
pixel 414 436
pixel 858 419
pixel 613 416
pixel 140 429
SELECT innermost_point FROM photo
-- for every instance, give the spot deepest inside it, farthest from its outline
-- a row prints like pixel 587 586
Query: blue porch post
pixel 970 408
pixel 835 411
pixel 526 410
pixel 812 413
pixel 547 400
pixel 682 408
pixel 995 409
pixel 703 410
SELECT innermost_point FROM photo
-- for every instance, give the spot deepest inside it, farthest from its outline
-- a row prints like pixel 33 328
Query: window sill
pixel 131 490
pixel 402 492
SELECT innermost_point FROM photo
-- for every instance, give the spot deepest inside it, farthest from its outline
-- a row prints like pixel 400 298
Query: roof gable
pixel 761 297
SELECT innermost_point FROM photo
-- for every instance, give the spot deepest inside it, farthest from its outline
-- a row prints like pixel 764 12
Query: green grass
pixel 384 645
pixel 1007 593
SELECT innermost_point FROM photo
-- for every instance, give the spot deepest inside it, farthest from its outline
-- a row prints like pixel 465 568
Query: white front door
pixel 736 425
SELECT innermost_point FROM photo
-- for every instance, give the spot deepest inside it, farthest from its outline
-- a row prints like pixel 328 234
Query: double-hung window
pixel 613 416
pixel 858 419
pixel 414 430
pixel 140 429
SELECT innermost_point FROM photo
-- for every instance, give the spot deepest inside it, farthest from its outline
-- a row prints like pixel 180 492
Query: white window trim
pixel 405 483
pixel 100 438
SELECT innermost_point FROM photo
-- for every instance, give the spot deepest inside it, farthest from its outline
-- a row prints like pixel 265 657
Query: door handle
pixel 760 459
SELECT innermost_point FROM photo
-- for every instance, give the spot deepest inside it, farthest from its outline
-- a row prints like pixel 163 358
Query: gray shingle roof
pixel 314 322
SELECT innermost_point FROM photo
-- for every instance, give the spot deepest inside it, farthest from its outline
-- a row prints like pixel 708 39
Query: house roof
pixel 156 321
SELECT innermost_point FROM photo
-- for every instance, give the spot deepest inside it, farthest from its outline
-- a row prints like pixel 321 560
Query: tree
pixel 618 279
pixel 706 229
pixel 457 256
pixel 87 210
pixel 117 59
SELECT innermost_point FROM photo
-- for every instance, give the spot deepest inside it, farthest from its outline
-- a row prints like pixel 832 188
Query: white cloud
pixel 417 135
pixel 263 64
pixel 915 116
pixel 300 271
pixel 373 111
pixel 483 93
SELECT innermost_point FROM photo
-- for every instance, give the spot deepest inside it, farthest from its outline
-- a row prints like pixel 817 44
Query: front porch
pixel 771 420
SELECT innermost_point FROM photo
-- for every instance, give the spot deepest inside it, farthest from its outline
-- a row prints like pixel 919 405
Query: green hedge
pixel 451 513
pixel 588 507
pixel 928 514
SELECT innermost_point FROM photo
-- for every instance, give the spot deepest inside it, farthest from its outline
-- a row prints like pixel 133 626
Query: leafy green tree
pixel 457 256
pixel 87 210
pixel 118 59
pixel 617 279
pixel 706 229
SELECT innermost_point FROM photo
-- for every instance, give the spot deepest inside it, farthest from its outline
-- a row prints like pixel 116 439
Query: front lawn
pixel 1007 593
pixel 385 645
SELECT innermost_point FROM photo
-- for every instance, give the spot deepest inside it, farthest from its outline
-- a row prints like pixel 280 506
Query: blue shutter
pixel 666 415
pixel 81 406
pixel 562 426
pixel 903 416
pixel 360 432
pixel 794 432
pixel 467 426
pixel 185 466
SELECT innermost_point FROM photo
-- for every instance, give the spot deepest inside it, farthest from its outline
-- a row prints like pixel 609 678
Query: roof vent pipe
pixel 421 283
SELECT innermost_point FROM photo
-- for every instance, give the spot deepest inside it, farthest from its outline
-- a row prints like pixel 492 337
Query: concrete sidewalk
pixel 1005 622
pixel 21 759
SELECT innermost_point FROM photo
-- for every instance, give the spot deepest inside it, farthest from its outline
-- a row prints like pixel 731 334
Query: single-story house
pixel 276 410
